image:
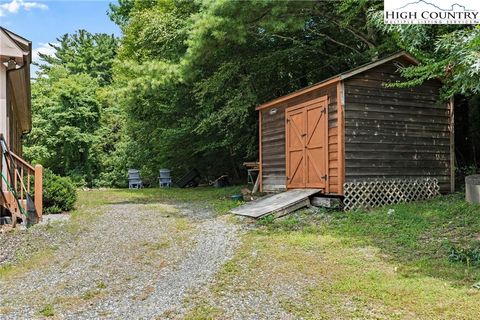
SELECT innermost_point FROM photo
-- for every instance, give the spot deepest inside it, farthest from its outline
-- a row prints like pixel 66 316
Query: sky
pixel 43 21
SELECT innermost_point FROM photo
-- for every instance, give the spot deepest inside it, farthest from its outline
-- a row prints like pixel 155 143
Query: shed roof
pixel 339 77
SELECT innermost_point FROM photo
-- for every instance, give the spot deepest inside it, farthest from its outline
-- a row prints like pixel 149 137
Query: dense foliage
pixel 191 73
pixel 179 89
pixel 448 52
pixel 67 114
pixel 76 124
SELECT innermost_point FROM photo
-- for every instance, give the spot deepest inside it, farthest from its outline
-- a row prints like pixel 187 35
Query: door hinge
pixel 325 177
pixel 324 110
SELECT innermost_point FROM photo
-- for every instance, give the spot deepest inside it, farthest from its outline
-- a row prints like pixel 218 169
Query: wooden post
pixel 260 152
pixel 341 137
pixel 326 146
pixel 451 110
pixel 39 191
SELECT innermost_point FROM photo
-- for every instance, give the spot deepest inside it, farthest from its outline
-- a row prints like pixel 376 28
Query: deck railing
pixel 26 175
pixel 16 187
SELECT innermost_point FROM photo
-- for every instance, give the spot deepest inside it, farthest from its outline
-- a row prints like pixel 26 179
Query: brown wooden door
pixel 306 144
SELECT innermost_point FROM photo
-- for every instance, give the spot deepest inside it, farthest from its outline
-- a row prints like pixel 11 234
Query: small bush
pixel 469 256
pixel 59 193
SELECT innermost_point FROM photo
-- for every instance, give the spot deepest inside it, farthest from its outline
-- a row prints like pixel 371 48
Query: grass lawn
pixel 415 260
pixel 216 199
pixel 439 238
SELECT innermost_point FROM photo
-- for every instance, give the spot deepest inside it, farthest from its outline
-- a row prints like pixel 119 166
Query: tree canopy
pixel 76 123
pixel 83 52
pixel 200 68
pixel 179 89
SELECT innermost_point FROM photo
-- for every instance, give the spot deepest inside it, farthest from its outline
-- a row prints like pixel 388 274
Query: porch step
pixel 279 204
pixel 5 220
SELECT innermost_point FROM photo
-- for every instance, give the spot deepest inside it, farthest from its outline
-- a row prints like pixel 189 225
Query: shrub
pixel 469 255
pixel 59 193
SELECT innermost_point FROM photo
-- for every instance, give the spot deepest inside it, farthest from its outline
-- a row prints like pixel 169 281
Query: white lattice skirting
pixel 375 193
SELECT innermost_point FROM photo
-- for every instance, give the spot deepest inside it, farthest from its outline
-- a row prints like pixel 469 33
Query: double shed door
pixel 306 130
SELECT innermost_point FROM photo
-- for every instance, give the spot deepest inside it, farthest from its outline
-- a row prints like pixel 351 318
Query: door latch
pixel 324 177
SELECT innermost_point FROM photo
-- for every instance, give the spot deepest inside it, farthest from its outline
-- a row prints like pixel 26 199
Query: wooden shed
pixel 351 127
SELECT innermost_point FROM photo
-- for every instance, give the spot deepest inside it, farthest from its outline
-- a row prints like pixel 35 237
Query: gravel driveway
pixel 134 261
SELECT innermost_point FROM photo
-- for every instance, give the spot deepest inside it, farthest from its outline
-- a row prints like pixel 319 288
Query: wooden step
pixel 12 206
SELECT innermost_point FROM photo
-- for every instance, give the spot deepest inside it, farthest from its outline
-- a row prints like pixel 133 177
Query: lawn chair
pixel 134 179
pixel 164 179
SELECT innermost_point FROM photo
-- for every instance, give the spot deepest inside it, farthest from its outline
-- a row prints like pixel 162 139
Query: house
pixel 19 178
pixel 351 127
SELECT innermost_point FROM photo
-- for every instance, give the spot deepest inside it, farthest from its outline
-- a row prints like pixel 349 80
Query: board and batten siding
pixel 273 140
pixel 395 132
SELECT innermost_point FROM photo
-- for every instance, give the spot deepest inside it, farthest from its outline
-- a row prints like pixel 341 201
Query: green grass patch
pixel 90 294
pixel 47 311
pixel 216 199
pixel 416 260
pixel 203 311
pixel 25 265
pixel 101 285
pixel 335 279
pixel 438 237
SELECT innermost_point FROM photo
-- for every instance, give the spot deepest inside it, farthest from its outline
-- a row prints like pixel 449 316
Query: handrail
pixel 23 162
pixel 19 167
pixel 20 181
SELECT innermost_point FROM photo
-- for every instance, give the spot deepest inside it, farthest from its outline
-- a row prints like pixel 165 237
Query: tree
pixel 76 122
pixel 83 52
pixel 189 74
pixel 446 52
pixel 66 115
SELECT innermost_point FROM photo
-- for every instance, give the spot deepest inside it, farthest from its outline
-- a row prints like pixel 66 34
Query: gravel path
pixel 135 261
pixel 17 244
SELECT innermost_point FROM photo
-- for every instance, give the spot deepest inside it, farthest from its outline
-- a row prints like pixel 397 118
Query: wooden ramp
pixel 279 204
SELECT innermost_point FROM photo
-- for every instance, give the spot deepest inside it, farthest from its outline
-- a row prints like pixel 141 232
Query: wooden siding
pixel 395 132
pixel 272 140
